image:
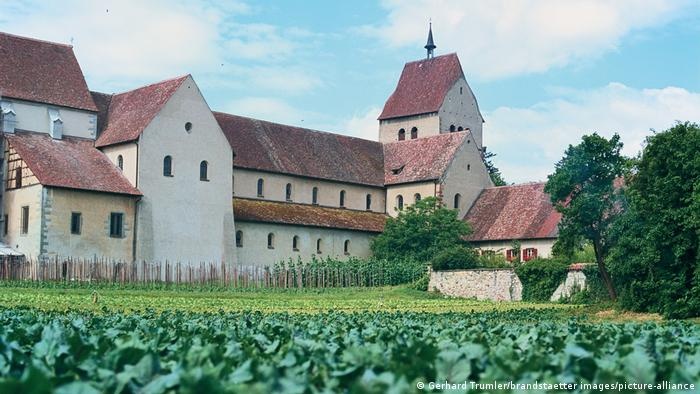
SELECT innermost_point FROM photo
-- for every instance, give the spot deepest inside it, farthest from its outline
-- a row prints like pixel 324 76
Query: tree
pixel 655 260
pixel 421 231
pixel 582 189
pixel 494 172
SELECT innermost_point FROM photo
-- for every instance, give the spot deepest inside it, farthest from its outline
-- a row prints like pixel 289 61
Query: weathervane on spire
pixel 430 46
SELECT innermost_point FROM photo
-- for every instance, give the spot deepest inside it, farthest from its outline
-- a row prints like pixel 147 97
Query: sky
pixel 545 72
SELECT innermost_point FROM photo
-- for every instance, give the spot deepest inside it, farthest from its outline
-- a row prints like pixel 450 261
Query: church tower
pixel 432 97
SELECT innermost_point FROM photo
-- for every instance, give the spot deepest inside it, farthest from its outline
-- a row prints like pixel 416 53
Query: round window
pixel 188 127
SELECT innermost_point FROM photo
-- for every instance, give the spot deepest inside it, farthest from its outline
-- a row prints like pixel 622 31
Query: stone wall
pixel 575 281
pixel 482 284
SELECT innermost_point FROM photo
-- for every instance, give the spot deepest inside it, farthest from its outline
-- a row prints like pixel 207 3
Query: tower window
pixel 460 128
pixel 239 239
pixel 271 241
pixel 458 197
pixel 414 133
pixel 368 202
pixel 460 90
pixel 314 196
pixel 167 166
pixel 75 222
pixel 342 198
pixel 295 243
pixel 188 127
pixel 469 167
pixel 346 247
pixel 261 187
pixel 120 162
pixel 402 134
pixel 452 128
pixel 203 171
pixel 288 192
pixel 399 202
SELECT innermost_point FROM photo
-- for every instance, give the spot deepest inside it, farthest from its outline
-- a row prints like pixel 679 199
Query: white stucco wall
pixel 408 191
pixel 13 201
pixel 255 251
pixel 129 153
pixel 35 117
pixel 427 124
pixel 246 186
pixel 466 175
pixel 181 218
pixel 460 108
pixel 543 246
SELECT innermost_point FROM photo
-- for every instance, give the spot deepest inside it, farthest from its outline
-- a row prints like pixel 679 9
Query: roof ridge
pixel 460 134
pixel 308 205
pixel 433 58
pixel 533 183
pixel 181 77
pixel 36 39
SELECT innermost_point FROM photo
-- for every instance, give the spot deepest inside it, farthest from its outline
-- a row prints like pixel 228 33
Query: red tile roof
pixel 422 159
pixel 423 86
pixel 512 213
pixel 267 146
pixel 43 72
pixel 69 162
pixel 126 115
pixel 307 215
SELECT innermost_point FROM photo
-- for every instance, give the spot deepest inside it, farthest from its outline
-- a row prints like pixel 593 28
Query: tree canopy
pixel 582 189
pixel 494 172
pixel 421 231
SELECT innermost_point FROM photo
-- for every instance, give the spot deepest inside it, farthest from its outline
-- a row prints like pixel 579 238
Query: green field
pixel 373 340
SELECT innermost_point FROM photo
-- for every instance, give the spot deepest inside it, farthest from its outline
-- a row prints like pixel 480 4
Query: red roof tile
pixel 43 72
pixel 69 162
pixel 422 159
pixel 512 213
pixel 268 146
pixel 129 113
pixel 423 86
pixel 307 215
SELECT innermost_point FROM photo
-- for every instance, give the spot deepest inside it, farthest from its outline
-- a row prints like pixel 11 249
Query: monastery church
pixel 153 174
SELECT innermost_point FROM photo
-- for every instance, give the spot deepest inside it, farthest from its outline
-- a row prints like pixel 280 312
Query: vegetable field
pixel 370 352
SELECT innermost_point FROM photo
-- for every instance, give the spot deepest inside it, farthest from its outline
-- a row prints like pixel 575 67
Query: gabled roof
pixel 267 146
pixel 43 72
pixel 126 115
pixel 423 86
pixel 422 159
pixel 70 162
pixel 307 215
pixel 512 213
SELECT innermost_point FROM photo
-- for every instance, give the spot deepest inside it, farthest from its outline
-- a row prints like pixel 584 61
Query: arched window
pixel 452 128
pixel 120 162
pixel 414 133
pixel 288 192
pixel 458 197
pixel 261 187
pixel 271 241
pixel 167 166
pixel 402 134
pixel 416 197
pixel 399 202
pixel 204 171
pixel 318 246
pixel 460 90
pixel 469 167
pixel 295 243
pixel 368 202
pixel 239 239
pixel 460 128
pixel 342 198
pixel 346 246
pixel 314 195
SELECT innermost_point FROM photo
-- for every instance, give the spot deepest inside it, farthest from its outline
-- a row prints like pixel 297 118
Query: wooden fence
pixel 212 274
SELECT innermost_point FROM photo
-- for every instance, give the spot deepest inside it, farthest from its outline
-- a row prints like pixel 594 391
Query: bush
pixel 540 277
pixel 455 258
pixel 494 260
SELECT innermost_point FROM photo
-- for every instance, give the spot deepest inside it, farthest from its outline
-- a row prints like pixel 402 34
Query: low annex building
pixel 154 174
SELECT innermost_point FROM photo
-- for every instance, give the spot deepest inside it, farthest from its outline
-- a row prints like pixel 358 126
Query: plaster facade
pixel 543 246
pixel 408 192
pixel 427 124
pixel 180 217
pixel 35 117
pixel 254 248
pixel 13 201
pixel 460 109
pixel 129 153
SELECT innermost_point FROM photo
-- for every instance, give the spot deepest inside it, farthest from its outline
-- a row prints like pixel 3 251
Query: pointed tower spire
pixel 430 46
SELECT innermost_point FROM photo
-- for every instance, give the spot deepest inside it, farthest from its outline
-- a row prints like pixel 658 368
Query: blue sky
pixel 544 72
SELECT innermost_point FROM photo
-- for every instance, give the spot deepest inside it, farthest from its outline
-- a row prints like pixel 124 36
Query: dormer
pixel 8 117
pixel 55 124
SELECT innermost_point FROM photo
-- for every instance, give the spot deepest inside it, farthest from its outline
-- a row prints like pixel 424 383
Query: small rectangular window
pixel 5 225
pixel 116 225
pixel 25 220
pixel 75 222
pixel 18 177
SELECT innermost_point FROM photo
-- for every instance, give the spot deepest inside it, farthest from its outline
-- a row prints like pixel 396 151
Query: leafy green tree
pixel 494 172
pixel 655 261
pixel 421 231
pixel 582 189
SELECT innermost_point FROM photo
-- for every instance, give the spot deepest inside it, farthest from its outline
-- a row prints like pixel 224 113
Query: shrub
pixel 455 258
pixel 540 277
pixel 494 260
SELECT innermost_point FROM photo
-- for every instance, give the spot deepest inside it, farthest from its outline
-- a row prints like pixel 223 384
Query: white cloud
pixel 501 38
pixel 270 109
pixel 528 141
pixel 363 125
